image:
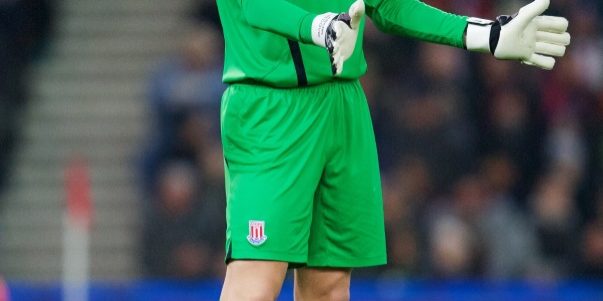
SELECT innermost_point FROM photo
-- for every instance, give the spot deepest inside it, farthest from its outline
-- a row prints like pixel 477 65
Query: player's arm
pixel 416 19
pixel 525 36
pixel 337 32
pixel 280 17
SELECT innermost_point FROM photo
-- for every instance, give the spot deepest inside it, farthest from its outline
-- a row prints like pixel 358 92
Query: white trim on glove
pixel 478 34
pixel 319 28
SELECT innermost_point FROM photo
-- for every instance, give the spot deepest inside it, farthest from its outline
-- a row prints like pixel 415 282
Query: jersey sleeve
pixel 416 19
pixel 280 17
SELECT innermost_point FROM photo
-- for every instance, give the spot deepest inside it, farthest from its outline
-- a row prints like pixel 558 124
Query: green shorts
pixel 302 176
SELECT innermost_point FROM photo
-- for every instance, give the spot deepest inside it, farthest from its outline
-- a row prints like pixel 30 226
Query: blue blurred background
pixel 492 171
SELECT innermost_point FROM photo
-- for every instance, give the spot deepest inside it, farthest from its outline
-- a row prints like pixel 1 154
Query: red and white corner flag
pixel 4 294
pixel 76 230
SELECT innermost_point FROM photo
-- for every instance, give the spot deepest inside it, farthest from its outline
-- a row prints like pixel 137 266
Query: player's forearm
pixel 280 17
pixel 416 19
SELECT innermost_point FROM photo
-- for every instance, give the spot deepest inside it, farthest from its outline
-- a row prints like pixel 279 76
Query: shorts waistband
pixel 263 85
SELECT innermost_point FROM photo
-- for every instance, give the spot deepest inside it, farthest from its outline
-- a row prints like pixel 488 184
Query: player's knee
pixel 251 295
pixel 253 281
pixel 330 295
pixel 338 292
pixel 322 284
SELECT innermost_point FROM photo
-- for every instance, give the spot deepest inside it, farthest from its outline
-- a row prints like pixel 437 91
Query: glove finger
pixel 529 12
pixel 551 24
pixel 336 48
pixel 338 63
pixel 339 67
pixel 338 27
pixel 549 49
pixel 356 12
pixel 553 38
pixel 540 61
pixel 336 58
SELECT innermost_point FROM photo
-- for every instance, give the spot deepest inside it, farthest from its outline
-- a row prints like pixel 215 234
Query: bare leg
pixel 250 280
pixel 313 284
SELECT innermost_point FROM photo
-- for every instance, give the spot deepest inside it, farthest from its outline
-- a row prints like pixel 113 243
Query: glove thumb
pixel 527 13
pixel 356 12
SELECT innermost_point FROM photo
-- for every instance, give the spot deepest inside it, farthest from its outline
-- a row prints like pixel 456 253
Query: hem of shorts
pixel 330 262
pixel 269 256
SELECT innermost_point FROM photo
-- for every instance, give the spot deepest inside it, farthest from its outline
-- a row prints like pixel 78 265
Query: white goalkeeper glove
pixel 338 33
pixel 526 36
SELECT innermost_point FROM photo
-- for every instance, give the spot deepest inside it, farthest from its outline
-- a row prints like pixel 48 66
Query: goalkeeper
pixel 302 176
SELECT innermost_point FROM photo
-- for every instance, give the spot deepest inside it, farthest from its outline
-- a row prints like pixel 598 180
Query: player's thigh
pixel 348 226
pixel 322 284
pixel 253 280
pixel 274 159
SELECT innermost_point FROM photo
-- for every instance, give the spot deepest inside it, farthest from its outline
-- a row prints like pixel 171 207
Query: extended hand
pixel 526 36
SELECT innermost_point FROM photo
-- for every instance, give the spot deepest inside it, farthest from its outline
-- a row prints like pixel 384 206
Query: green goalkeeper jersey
pixel 269 42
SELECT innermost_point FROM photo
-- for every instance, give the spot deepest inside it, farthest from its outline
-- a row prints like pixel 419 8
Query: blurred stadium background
pixel 492 171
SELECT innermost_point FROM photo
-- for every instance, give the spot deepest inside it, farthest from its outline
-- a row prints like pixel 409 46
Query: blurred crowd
pixel 526 203
pixel 182 172
pixel 25 28
pixel 490 169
